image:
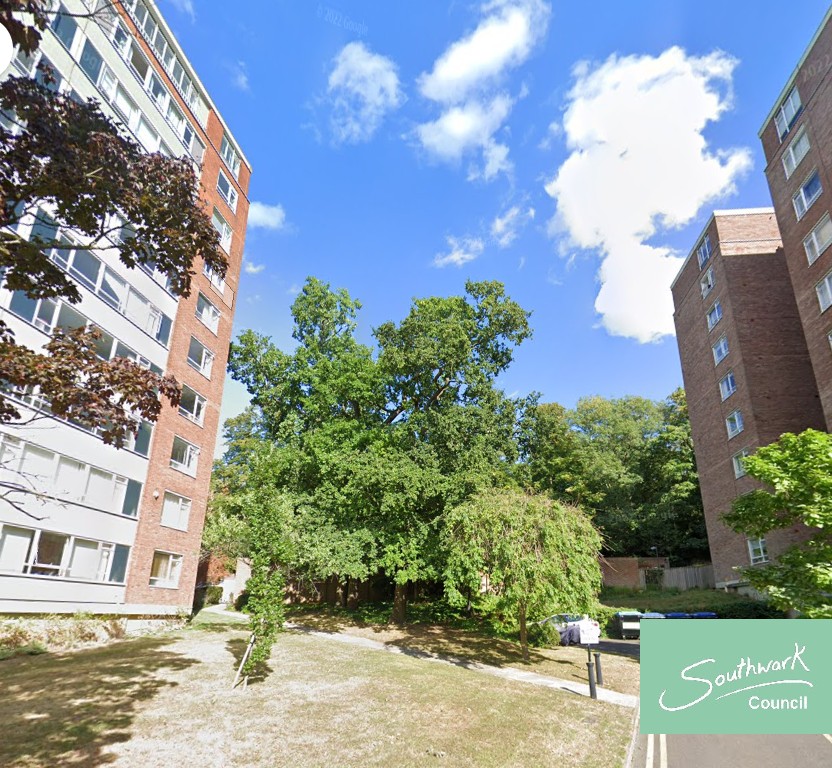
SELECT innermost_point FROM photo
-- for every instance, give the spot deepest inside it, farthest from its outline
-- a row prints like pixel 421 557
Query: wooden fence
pixel 689 577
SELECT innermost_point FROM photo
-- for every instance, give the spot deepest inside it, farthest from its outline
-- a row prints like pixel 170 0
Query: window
pixel 200 357
pixel 91 61
pixel 224 229
pixel 226 189
pixel 207 313
pixel 788 112
pixel 175 511
pixel 807 194
pixel 795 152
pixel 57 555
pixel 727 385
pixel 184 456
pixel 703 252
pixel 714 315
pixel 739 465
pixel 720 350
pixel 192 405
pixel 757 550
pixel 230 156
pixel 69 479
pixel 818 239
pixel 707 282
pixel 734 424
pixel 217 283
pixel 64 26
pixel 824 291
pixel 165 570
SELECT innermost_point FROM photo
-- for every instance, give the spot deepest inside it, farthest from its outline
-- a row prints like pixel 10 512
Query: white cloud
pixel 363 87
pixel 186 7
pixel 462 250
pixel 265 216
pixel 464 79
pixel 469 126
pixel 506 228
pixel 250 268
pixel 239 76
pixel 503 39
pixel 639 165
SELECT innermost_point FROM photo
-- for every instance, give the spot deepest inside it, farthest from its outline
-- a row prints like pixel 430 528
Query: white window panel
pixel 737 461
pixel 217 283
pixel 226 189
pixel 734 424
pixel 192 405
pixel 207 313
pixel 824 292
pixel 15 545
pixel 85 560
pixel 795 152
pixel 706 284
pixel 757 550
pixel 200 357
pixel 720 350
pixel 71 480
pixel 184 456
pixel 230 156
pixel 818 240
pixel 38 465
pixel 727 385
pixel 176 510
pixel 224 229
pixel 703 252
pixel 165 570
pixel 809 191
pixel 714 315
pixel 788 112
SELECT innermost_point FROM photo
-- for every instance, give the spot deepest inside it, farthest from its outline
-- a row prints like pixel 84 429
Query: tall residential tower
pixel 121 532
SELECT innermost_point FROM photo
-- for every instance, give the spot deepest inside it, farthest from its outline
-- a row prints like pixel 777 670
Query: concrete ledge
pixel 51 607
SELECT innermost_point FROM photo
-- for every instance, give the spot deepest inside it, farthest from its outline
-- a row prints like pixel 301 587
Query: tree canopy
pixel 797 475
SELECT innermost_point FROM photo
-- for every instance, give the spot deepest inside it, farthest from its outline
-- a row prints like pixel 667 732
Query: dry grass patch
pixel 621 673
pixel 154 701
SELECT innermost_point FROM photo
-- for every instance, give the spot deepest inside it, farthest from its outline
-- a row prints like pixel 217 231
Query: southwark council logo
pixel 736 676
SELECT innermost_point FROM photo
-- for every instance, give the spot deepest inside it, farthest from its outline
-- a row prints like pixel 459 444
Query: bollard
pixel 590 669
pixel 598 674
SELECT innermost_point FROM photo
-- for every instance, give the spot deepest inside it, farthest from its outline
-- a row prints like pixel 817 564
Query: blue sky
pixel 572 152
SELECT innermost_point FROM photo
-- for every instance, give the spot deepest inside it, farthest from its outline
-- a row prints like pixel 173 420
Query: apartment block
pixel 118 531
pixel 746 368
pixel 797 142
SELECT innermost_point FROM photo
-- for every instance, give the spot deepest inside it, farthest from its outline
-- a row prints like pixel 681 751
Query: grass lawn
pixel 621 673
pixel 691 601
pixel 156 701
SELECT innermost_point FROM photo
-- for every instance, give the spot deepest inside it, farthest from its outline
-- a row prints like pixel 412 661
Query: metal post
pixel 590 670
pixel 598 674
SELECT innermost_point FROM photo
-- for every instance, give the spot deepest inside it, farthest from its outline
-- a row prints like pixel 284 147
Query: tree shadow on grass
pixel 237 648
pixel 66 709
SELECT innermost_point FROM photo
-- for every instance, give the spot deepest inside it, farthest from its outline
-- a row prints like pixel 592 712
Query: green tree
pixel 539 556
pixel 797 474
pixel 371 441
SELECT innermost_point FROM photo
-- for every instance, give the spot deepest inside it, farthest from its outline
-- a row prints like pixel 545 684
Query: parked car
pixel 574 629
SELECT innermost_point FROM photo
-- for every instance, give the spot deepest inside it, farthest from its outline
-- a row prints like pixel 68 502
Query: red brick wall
pixel 768 356
pixel 815 87
pixel 151 535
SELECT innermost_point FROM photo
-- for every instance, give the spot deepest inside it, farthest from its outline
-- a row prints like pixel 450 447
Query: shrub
pixel 242 601
pixel 749 609
pixel 543 636
pixel 213 595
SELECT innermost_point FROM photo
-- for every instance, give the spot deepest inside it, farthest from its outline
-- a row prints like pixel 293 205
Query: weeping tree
pixel 538 556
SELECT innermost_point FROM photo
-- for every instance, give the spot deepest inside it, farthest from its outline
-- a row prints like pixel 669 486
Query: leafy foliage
pixel 539 556
pixel 797 473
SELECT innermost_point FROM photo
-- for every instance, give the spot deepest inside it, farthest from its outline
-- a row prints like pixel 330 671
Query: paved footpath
pixel 508 673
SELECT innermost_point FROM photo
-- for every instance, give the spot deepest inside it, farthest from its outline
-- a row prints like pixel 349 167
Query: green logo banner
pixel 701 676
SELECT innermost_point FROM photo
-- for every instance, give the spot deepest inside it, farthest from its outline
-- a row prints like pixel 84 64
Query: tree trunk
pixel 524 635
pixel 345 592
pixel 399 604
pixel 352 593
pixel 331 591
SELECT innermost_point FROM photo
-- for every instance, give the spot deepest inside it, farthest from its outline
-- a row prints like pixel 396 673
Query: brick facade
pixel 775 388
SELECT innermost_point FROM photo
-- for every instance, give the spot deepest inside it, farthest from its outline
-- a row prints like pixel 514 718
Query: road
pixel 674 751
